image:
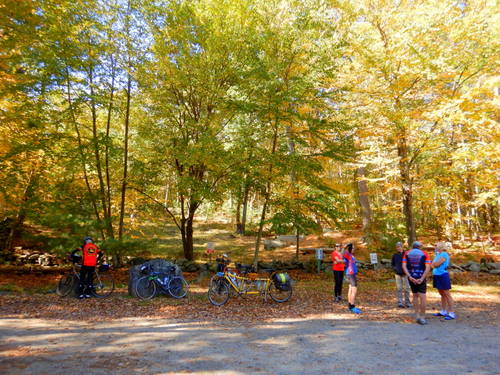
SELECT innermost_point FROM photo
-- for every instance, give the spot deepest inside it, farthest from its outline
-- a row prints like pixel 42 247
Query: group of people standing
pixel 411 269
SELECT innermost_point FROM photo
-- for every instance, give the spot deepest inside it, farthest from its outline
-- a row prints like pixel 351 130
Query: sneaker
pixel 422 321
pixel 81 296
pixel 355 310
pixel 400 305
pixel 408 305
pixel 450 316
pixel 87 295
pixel 441 313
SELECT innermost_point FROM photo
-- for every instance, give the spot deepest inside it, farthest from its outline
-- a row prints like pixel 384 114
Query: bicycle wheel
pixel 104 284
pixel 177 287
pixel 65 285
pixel 218 292
pixel 277 294
pixel 145 288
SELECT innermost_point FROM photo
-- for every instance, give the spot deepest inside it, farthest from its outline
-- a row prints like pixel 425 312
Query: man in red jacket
pixel 91 254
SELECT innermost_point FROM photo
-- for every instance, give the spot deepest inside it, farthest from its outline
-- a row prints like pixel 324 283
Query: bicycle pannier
pixel 282 281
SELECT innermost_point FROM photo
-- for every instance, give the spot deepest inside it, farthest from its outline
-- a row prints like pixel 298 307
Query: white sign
pixel 319 254
pixel 373 258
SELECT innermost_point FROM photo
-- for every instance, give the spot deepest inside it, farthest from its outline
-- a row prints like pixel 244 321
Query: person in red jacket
pixel 338 271
pixel 91 254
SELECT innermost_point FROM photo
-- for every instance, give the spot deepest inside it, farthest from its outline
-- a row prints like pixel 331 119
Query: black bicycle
pixel 103 281
pixel 154 283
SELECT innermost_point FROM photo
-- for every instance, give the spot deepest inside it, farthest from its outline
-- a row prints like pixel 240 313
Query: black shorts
pixel 351 279
pixel 419 288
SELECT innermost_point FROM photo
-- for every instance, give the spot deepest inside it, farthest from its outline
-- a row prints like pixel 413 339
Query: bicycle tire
pixel 65 285
pixel 278 295
pixel 218 292
pixel 178 287
pixel 104 285
pixel 145 288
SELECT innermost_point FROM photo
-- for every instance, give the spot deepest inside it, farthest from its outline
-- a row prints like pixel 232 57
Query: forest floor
pixel 328 344
pixel 42 333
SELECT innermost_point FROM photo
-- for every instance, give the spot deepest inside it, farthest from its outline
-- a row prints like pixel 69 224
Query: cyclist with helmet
pixel 91 254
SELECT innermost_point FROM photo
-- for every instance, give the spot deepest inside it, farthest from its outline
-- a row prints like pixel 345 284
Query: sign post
pixel 374 260
pixel 319 259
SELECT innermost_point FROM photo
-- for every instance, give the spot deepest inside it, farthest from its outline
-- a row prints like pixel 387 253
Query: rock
pixel 46 260
pixel 33 259
pixel 474 267
pixel 190 267
pixel 385 262
pixel 273 244
pixel 297 265
pixel 136 261
pixel 362 265
pixel 494 272
pixel 289 239
pixel 466 265
pixel 493 266
pixel 456 268
pixel 265 266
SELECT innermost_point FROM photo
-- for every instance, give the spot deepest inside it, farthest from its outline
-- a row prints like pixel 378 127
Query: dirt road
pixel 326 344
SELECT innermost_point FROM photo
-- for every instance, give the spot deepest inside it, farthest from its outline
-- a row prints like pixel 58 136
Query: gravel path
pixel 323 345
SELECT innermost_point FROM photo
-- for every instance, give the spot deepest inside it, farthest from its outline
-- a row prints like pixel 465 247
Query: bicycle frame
pixel 245 284
pixel 162 282
pixel 76 271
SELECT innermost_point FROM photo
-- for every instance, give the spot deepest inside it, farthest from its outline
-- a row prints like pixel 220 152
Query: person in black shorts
pixel 416 265
pixel 350 274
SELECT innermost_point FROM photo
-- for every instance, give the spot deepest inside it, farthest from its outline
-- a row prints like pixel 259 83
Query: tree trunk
pixel 82 154
pixel 245 206
pixel 186 226
pixel 297 239
pixel 108 128
pixel 127 123
pixel 187 236
pixel 107 220
pixel 238 214
pixel 364 201
pixel 407 188
pixel 261 227
pixel 267 195
pixel 125 160
pixel 18 223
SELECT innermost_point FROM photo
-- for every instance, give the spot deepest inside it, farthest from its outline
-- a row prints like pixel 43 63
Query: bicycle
pixel 227 283
pixel 153 283
pixel 103 285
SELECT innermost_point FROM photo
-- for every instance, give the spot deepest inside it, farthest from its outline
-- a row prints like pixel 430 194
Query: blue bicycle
pixel 155 283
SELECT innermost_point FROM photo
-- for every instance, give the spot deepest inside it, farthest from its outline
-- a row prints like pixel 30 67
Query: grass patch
pixel 11 288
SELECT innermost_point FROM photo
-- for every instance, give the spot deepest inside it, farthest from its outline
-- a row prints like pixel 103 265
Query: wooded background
pixel 281 116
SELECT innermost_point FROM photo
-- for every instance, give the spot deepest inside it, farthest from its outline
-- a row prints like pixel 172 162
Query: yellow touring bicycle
pixel 245 281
